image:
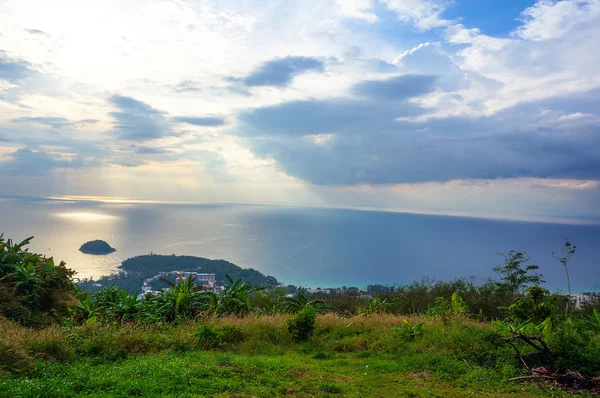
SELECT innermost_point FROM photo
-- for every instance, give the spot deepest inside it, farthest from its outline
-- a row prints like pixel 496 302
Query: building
pixel 210 280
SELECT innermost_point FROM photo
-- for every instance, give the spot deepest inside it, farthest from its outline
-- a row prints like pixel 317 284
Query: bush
pixel 211 337
pixel 536 306
pixel 34 292
pixel 302 325
pixel 577 346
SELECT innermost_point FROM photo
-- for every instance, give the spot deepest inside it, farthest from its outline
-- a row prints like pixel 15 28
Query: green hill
pixel 96 247
pixel 134 270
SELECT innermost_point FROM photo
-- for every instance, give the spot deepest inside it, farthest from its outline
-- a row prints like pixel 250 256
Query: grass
pixel 354 357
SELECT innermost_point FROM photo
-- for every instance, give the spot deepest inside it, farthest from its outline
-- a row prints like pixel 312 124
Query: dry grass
pixel 19 346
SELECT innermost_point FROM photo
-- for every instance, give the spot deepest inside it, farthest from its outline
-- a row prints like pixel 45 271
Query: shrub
pixel 536 306
pixel 576 346
pixel 408 331
pixel 33 290
pixel 211 337
pixel 302 325
pixel 447 311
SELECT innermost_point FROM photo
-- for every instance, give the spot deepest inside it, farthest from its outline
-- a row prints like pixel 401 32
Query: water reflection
pixel 87 216
pixel 314 247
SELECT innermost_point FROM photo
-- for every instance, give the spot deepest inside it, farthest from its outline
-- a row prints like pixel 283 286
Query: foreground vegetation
pixel 373 355
pixel 428 339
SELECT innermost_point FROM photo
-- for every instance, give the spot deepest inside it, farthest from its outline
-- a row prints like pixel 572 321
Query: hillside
pixel 134 270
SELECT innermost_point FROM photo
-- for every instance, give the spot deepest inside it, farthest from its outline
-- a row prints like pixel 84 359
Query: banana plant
pixel 12 254
pixel 86 309
pixel 25 277
pixel 234 299
pixel 595 319
pixel 408 330
pixel 128 307
pixel 298 303
pixel 376 306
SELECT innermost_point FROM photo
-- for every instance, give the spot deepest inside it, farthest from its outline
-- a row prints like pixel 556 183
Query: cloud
pixel 52 121
pixel 26 161
pixel 552 19
pixel 138 121
pixel 536 60
pixel 214 164
pixel 13 70
pixel 313 117
pixel 395 88
pixel 200 121
pixel 85 122
pixel 424 14
pixel 55 122
pixel 146 150
pixel 187 86
pixel 342 115
pixel 280 72
pixel 356 9
pixel 37 32
pixel 346 143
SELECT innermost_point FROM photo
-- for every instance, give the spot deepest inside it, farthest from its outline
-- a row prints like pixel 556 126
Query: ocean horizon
pixel 301 245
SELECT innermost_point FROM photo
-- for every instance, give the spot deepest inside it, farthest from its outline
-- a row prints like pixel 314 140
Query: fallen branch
pixel 533 377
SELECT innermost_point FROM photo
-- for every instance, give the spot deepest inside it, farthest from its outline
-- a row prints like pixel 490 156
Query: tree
pixel 567 251
pixel 517 273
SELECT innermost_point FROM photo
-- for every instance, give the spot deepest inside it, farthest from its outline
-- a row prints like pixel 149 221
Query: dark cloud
pixel 345 142
pixel 146 150
pixel 280 72
pixel 200 121
pixel 339 116
pixel 137 120
pixel 396 88
pixel 86 121
pixel 50 121
pixel 13 70
pixel 24 78
pixel 55 122
pixel 187 86
pixel 37 32
pixel 26 161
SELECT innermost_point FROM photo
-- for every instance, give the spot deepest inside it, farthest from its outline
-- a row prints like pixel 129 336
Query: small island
pixel 96 247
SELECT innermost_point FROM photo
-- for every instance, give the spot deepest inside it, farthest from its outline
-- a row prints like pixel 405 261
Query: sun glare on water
pixel 87 216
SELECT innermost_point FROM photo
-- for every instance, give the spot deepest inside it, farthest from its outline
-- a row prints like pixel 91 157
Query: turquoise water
pixel 305 246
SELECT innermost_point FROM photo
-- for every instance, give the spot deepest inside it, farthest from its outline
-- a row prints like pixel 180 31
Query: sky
pixel 473 107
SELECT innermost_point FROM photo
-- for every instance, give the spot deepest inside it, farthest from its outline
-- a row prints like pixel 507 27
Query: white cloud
pixel 555 52
pixel 575 116
pixel 424 14
pixel 356 9
pixel 550 19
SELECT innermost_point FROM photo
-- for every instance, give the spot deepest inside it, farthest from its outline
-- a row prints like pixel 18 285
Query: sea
pixel 305 246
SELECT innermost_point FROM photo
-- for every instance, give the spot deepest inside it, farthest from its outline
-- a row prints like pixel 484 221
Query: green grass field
pixel 362 356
